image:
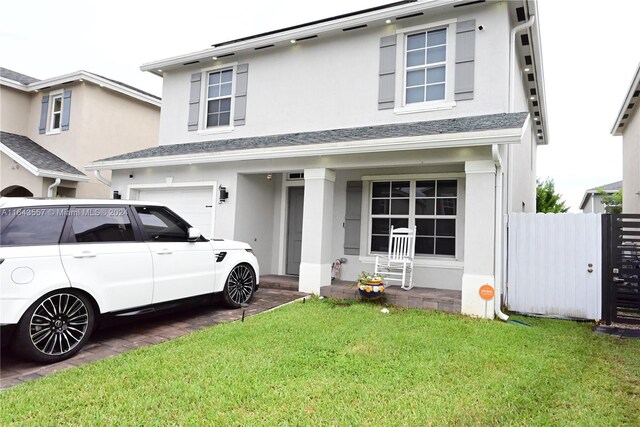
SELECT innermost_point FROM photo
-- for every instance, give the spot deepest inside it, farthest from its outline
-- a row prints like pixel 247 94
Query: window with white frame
pixel 430 205
pixel 426 58
pixel 219 89
pixel 56 113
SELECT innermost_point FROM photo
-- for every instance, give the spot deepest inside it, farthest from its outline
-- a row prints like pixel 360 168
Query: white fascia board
pixel 635 85
pixel 95 79
pixel 13 84
pixel 453 140
pixel 352 21
pixel 538 70
pixel 585 199
pixel 40 172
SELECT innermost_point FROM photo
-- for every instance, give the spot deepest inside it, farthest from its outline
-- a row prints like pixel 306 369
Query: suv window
pixel 100 224
pixel 161 225
pixel 32 225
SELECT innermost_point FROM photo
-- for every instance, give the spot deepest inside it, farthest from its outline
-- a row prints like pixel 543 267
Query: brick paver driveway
pixel 141 332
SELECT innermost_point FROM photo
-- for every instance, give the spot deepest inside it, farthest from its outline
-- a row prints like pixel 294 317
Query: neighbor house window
pixel 430 205
pixel 56 112
pixel 219 87
pixel 426 57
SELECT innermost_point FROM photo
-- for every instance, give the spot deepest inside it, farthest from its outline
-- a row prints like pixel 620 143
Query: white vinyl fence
pixel 554 265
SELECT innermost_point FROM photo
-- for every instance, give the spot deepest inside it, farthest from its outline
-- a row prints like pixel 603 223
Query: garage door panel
pixel 195 205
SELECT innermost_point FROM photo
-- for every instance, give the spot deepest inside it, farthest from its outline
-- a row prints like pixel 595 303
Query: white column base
pixel 313 277
pixel 472 303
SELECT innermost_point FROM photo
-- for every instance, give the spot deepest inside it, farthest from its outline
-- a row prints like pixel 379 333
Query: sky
pixel 590 53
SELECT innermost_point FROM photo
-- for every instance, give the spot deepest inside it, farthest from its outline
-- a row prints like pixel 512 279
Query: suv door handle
pixel 164 251
pixel 85 254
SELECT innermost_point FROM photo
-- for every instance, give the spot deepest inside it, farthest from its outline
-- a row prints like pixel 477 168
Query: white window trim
pixel 52 96
pixel 419 107
pixel 426 260
pixel 202 128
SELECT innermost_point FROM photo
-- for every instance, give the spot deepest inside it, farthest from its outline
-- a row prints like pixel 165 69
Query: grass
pixel 327 363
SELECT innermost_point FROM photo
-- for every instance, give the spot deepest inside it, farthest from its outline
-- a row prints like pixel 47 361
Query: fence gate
pixel 621 272
pixel 554 265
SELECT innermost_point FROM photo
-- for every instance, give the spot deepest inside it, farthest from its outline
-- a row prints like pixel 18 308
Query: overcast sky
pixel 590 53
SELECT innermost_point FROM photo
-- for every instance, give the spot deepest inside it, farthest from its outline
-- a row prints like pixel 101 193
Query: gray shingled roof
pixel 614 186
pixel 433 127
pixel 36 155
pixel 18 77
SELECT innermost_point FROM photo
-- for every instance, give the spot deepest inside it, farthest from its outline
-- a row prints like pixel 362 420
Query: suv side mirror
pixel 193 234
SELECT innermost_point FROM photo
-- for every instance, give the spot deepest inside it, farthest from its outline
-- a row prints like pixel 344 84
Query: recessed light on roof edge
pixel 526 70
pixel 388 21
pixel 293 41
pixel 214 58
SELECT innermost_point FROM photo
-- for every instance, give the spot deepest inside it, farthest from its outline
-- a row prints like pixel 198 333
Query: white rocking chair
pixel 398 264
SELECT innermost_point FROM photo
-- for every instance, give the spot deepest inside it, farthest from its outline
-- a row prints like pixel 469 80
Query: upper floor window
pixel 56 112
pixel 219 88
pixel 426 62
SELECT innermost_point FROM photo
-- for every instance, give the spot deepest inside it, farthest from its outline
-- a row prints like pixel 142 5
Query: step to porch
pixel 446 300
pixel 272 281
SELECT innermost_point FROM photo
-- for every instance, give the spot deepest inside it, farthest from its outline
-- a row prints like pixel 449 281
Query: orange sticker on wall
pixel 486 292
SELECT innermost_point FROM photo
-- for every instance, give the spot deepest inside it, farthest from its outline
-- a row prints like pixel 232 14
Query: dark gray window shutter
pixel 66 110
pixel 240 107
pixel 44 110
pixel 194 101
pixel 387 74
pixel 465 57
pixel 352 218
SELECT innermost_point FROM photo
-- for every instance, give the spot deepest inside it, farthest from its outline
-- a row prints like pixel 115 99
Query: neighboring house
pixel 50 129
pixel 310 142
pixel 592 200
pixel 628 126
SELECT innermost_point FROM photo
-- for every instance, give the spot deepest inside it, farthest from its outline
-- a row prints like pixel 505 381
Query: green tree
pixel 612 201
pixel 547 200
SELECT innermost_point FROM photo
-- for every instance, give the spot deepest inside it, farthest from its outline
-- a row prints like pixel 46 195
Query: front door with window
pixel 294 230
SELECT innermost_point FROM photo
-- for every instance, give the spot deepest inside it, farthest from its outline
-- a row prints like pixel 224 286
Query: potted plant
pixel 370 285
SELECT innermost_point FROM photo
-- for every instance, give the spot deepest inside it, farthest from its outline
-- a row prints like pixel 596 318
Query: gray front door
pixel 294 230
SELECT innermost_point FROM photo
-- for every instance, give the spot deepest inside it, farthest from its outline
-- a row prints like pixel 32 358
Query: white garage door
pixel 195 205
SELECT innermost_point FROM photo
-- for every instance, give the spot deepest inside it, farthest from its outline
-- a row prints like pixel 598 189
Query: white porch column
pixel 315 264
pixel 479 237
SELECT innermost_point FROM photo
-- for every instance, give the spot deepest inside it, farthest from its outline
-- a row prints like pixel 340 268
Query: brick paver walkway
pixel 141 332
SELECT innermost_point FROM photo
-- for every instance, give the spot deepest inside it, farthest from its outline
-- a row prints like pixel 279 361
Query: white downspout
pixel 102 179
pixel 495 152
pixel 497 244
pixel 53 187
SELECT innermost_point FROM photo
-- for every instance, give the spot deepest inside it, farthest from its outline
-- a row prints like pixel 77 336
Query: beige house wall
pixel 631 165
pixel 11 173
pixel 14 110
pixel 103 123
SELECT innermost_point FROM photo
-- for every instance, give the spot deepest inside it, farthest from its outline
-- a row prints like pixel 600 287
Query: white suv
pixel 66 262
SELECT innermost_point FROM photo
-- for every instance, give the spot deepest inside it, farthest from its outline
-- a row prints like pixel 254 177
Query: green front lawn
pixel 324 363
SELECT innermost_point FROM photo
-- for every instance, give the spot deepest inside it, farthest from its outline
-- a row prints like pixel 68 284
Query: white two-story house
pixel 310 142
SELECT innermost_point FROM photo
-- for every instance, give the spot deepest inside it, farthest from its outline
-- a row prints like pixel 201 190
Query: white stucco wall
pixel 332 82
pixel 631 164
